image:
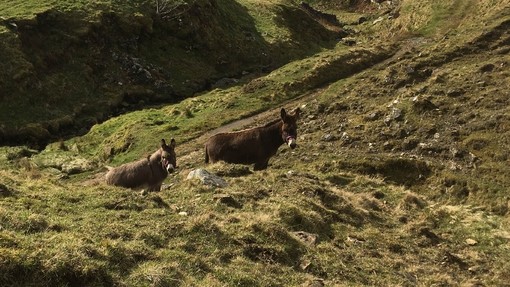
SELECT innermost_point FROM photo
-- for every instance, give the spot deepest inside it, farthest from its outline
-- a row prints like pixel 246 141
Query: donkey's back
pixel 236 147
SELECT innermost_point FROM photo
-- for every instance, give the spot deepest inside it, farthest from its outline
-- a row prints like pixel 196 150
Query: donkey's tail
pixel 206 155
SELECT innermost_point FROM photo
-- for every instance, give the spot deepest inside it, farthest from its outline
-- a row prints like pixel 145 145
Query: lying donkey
pixel 148 172
pixel 254 145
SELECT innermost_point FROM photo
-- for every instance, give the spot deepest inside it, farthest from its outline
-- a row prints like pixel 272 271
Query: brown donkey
pixel 148 172
pixel 254 145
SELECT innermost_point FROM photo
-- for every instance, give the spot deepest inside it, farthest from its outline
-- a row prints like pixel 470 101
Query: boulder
pixel 77 165
pixel 207 178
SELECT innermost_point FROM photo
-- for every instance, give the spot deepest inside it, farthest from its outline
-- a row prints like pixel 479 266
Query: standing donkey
pixel 254 145
pixel 148 172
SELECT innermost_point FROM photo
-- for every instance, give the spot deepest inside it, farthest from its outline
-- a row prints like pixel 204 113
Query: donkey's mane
pixel 154 155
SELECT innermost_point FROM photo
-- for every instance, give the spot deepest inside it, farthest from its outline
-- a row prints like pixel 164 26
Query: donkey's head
pixel 289 127
pixel 168 158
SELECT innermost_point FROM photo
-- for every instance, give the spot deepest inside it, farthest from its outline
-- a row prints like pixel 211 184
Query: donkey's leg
pixel 261 165
pixel 155 187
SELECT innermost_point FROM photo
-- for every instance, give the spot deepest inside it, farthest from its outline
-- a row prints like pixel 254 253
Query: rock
pixel 349 41
pixel 372 147
pixel 67 162
pixel 450 259
pixel 309 239
pixel 396 114
pixel 454 93
pixel 380 19
pixel 304 265
pixel 373 116
pixel 422 105
pixel 77 165
pixel 387 145
pixel 457 153
pixel 410 70
pixel 207 178
pixel 328 137
pixel 346 138
pixel 471 242
pixel 473 158
pixel 409 144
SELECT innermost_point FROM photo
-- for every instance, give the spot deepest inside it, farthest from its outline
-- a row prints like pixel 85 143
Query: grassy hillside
pixel 399 178
pixel 68 65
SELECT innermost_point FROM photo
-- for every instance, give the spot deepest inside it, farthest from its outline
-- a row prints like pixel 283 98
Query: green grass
pixel 446 16
pixel 30 8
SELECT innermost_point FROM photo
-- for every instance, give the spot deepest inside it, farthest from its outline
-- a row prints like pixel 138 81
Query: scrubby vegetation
pixel 399 179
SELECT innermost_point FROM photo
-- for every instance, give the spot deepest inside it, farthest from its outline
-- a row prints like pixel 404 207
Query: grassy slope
pixel 30 8
pixel 370 231
pixel 79 62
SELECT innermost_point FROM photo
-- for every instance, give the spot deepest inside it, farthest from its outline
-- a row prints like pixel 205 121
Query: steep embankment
pixel 67 68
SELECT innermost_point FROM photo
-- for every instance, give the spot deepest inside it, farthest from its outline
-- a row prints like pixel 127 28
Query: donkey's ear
pixel 283 114
pixel 163 143
pixel 297 113
pixel 172 143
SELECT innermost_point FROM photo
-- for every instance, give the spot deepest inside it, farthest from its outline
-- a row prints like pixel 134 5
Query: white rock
pixel 207 178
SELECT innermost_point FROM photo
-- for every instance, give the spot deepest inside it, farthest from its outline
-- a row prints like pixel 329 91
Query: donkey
pixel 254 145
pixel 148 172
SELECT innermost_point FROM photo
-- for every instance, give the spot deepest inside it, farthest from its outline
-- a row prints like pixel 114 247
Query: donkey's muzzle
pixel 170 168
pixel 291 142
